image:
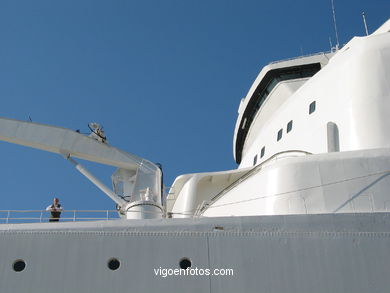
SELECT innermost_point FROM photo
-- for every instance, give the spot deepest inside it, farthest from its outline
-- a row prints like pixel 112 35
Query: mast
pixel 335 26
pixel 365 22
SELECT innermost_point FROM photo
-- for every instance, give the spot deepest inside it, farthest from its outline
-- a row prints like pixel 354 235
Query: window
pixel 243 124
pixel 262 152
pixel 185 263
pixel 255 160
pixel 19 265
pixel 113 264
pixel 280 133
pixel 289 126
pixel 312 107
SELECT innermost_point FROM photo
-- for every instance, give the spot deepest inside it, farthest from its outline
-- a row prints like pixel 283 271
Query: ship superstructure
pixel 343 107
pixel 311 135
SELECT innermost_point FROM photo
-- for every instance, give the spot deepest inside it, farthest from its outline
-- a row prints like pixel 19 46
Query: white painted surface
pixel 347 182
pixel 305 253
pixel 351 94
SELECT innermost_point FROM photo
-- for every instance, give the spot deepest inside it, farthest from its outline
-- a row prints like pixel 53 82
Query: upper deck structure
pixel 335 101
pixel 275 83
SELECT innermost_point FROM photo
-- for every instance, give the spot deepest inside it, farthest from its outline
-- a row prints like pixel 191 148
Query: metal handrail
pixel 64 211
pixel 18 216
pixel 302 56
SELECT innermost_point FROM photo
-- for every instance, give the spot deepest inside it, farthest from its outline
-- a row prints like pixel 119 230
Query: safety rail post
pixel 8 215
pixel 40 217
pixel 74 215
pixel 107 215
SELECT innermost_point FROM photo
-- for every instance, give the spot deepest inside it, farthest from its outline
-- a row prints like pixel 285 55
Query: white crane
pixel 137 182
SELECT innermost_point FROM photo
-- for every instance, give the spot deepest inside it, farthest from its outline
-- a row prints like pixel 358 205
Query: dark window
pixel 255 160
pixel 185 263
pixel 113 264
pixel 312 107
pixel 19 265
pixel 262 152
pixel 289 126
pixel 280 133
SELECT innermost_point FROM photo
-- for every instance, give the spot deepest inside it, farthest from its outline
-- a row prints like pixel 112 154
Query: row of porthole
pixel 312 108
pixel 19 265
pixel 113 264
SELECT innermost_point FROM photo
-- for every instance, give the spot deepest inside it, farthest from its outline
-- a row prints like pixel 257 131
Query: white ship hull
pixel 296 253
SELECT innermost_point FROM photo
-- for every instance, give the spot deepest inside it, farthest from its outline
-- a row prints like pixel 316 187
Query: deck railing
pixel 306 55
pixel 41 216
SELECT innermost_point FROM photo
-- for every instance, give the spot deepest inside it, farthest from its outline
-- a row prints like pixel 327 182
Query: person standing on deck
pixel 55 210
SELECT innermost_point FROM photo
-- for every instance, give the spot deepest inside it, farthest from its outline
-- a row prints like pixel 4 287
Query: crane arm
pixel 69 143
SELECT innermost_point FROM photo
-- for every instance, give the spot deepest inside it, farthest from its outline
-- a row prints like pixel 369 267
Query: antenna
pixel 335 26
pixel 330 44
pixel 365 23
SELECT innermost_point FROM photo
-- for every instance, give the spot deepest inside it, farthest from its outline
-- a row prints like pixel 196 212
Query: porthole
pixel 312 107
pixel 289 126
pixel 19 265
pixel 262 152
pixel 255 160
pixel 113 264
pixel 280 134
pixel 185 263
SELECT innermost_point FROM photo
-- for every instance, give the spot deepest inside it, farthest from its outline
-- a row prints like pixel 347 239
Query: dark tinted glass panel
pixel 19 265
pixel 280 133
pixel 289 126
pixel 312 107
pixel 113 264
pixel 185 263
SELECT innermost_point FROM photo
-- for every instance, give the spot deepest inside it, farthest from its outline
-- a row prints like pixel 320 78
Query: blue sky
pixel 164 78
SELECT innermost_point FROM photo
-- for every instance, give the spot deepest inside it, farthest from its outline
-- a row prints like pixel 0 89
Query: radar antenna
pixel 97 132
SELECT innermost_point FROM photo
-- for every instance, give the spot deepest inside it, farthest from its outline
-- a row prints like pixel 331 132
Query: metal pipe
pixel 96 182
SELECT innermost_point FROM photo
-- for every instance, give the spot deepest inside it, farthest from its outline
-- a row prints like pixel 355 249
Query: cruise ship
pixel 307 209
